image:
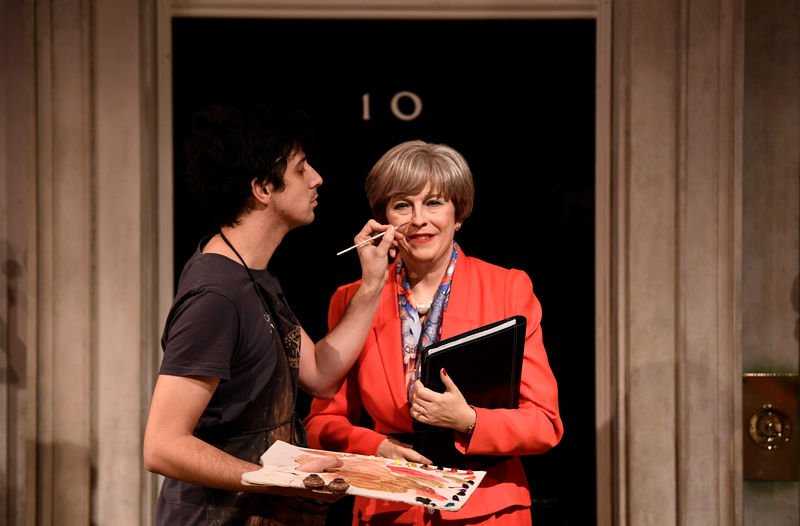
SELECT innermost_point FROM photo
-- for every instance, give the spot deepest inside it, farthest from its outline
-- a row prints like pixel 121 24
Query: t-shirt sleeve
pixel 200 336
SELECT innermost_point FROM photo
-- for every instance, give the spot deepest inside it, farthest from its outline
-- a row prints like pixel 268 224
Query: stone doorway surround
pixel 86 237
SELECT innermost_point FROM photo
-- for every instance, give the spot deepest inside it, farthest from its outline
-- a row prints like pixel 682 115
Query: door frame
pixel 610 491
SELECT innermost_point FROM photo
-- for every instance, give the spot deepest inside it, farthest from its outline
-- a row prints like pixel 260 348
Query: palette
pixel 441 488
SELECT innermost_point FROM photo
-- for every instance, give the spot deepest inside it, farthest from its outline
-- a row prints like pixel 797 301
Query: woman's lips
pixel 421 238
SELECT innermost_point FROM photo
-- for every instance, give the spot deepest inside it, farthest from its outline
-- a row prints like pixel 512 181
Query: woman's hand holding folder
pixel 448 409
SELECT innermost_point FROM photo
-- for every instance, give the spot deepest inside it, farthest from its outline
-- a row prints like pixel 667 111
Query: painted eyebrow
pixel 433 195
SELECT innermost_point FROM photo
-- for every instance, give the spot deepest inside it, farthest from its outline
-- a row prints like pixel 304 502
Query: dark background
pixel 515 97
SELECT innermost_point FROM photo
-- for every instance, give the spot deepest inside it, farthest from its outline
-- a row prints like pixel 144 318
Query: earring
pixel 458 226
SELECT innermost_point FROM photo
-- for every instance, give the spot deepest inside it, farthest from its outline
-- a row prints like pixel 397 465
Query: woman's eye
pixel 400 206
pixel 435 202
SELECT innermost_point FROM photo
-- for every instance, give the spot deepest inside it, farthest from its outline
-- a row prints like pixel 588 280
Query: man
pixel 234 355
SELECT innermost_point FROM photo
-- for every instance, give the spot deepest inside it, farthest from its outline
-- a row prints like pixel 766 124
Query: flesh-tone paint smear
pixel 369 476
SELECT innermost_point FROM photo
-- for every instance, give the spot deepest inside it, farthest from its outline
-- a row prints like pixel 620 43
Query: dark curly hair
pixel 229 146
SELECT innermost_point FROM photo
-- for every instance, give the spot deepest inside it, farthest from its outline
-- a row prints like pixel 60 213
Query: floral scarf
pixel 414 336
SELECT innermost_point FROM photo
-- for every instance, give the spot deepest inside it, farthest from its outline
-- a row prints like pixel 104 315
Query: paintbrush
pixel 376 236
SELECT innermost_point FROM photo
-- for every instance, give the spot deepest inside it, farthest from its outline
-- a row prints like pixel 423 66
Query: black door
pixel 515 97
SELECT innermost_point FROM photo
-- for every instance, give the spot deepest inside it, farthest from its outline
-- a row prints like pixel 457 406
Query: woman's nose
pixel 417 216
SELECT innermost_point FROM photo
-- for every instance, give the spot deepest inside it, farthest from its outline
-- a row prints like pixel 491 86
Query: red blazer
pixel 480 293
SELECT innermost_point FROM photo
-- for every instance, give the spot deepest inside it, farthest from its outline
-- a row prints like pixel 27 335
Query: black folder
pixel 486 366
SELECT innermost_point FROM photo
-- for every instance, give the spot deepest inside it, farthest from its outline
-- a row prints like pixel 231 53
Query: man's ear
pixel 261 191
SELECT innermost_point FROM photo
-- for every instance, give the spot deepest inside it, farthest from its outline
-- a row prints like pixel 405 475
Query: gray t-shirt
pixel 215 328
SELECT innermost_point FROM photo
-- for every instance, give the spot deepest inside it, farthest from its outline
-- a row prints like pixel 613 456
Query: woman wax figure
pixel 436 291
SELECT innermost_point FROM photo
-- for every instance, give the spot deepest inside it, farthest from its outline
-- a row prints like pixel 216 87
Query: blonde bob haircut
pixel 405 170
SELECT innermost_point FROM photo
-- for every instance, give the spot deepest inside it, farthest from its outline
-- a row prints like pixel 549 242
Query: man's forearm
pixel 335 354
pixel 322 370
pixel 197 462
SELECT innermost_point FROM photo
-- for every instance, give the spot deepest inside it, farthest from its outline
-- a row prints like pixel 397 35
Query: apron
pixel 269 417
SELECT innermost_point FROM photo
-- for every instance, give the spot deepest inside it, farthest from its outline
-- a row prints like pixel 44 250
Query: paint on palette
pixel 369 476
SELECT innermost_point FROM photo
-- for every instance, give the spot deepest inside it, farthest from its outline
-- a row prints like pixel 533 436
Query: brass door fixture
pixel 769 406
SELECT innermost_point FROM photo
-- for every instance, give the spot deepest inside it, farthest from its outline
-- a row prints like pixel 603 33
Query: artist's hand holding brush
pixel 375 244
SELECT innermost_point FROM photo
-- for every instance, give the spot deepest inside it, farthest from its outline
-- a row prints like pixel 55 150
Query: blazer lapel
pixel 459 318
pixel 387 335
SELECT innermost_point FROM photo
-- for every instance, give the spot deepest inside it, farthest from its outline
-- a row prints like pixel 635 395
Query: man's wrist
pixel 370 289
